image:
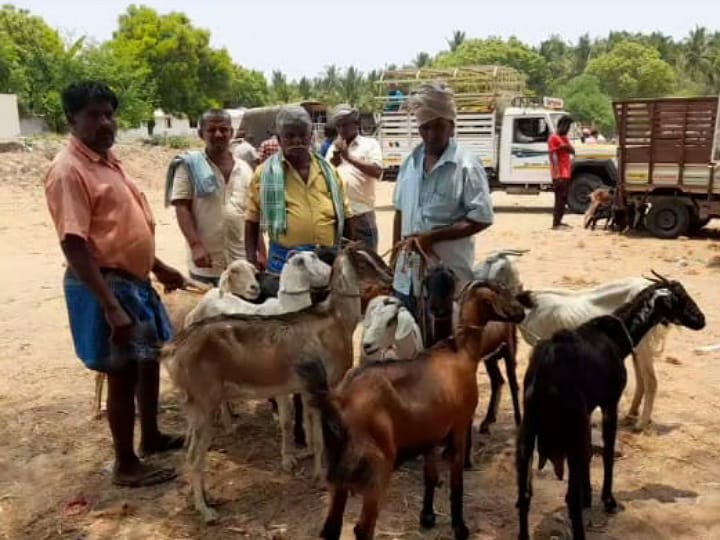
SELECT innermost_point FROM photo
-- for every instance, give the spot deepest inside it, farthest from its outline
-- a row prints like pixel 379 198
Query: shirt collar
pixel 448 156
pixel 80 147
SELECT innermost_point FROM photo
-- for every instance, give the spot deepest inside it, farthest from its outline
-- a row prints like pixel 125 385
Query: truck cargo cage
pixel 668 142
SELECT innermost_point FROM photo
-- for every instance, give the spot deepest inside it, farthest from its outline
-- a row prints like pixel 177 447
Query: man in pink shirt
pixel 107 234
pixel 561 150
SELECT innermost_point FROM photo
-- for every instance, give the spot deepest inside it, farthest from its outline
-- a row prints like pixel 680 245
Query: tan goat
pixel 234 356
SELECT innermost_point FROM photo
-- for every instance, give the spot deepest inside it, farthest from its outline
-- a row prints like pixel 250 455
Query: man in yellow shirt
pixel 295 196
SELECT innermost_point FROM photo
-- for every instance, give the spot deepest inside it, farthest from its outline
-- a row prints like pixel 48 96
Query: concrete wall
pixel 9 117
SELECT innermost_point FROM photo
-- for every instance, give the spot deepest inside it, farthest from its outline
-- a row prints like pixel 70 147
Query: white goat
pixel 255 357
pixel 303 271
pixel 553 310
pixel 500 266
pixel 389 331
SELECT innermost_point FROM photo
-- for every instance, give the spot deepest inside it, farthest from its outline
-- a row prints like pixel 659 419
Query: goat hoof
pixel 330 533
pixel 427 520
pixel 629 420
pixel 484 428
pixel 209 515
pixel 461 532
pixel 641 427
pixel 289 463
pixel 611 505
pixel 468 465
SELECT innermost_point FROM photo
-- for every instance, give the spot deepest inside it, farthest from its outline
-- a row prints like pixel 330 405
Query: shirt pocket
pixel 442 203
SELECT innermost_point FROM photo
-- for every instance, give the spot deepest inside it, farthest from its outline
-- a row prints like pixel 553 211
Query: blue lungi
pixel 91 332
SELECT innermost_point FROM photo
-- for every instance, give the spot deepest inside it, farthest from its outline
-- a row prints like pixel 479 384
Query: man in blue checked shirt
pixel 441 198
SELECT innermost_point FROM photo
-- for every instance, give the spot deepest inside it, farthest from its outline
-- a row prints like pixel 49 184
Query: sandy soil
pixel 54 459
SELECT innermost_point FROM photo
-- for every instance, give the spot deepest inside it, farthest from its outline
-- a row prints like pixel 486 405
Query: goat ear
pixel 224 283
pixel 405 324
pixel 525 298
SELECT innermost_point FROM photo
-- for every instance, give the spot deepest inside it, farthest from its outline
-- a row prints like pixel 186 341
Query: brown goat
pixel 386 412
pixel 236 356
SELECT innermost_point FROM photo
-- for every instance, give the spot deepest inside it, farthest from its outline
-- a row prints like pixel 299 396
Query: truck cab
pixel 507 131
pixel 524 164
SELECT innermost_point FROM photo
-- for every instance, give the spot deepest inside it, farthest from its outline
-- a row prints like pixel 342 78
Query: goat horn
pixel 662 279
pixel 516 252
pixel 373 263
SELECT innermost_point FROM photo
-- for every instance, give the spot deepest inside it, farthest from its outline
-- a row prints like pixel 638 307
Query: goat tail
pixel 335 434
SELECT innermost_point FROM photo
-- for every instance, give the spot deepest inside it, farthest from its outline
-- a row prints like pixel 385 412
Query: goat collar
pixel 460 327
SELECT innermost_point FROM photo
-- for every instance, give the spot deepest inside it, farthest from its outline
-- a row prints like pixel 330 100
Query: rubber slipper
pixel 149 477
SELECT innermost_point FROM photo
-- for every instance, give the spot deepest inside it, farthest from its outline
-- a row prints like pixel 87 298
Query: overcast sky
pixel 301 37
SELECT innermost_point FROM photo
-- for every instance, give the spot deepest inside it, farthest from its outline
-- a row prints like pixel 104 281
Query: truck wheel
pixel 667 218
pixel 581 187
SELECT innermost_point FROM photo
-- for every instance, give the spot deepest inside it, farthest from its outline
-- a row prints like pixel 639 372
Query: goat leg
pixel 468 463
pixel 574 497
pixel 226 418
pixel 609 432
pixel 333 524
pixel 523 465
pixel 289 462
pixel 365 528
pixel 97 401
pixel 201 435
pixel 496 382
pixel 511 372
pixel 317 445
pixel 633 413
pixel 427 514
pixel 456 484
pixel 647 372
pixel 298 429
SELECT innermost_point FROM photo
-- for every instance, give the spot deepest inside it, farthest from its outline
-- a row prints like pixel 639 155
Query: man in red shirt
pixel 560 150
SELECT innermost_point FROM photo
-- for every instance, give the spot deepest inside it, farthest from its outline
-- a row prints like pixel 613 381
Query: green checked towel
pixel 272 196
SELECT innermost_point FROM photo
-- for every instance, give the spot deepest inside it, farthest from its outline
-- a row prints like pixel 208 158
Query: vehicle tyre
pixel 581 186
pixel 668 218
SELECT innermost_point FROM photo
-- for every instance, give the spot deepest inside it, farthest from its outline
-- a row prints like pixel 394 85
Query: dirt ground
pixel 55 459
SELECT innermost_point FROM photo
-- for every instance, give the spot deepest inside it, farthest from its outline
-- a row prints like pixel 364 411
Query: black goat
pixel 499 341
pixel 571 374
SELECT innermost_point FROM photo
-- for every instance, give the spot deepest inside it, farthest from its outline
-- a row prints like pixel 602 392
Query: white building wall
pixel 9 117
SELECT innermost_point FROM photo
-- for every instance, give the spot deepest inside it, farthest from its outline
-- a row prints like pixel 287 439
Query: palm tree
pixel 328 83
pixel 458 38
pixel 422 60
pixel 304 88
pixel 351 86
pixel 280 88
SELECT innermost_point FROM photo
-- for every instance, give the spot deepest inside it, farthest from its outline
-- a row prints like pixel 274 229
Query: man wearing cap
pixel 441 196
pixel 296 196
pixel 359 162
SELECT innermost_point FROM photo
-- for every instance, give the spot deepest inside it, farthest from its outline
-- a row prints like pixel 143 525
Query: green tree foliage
pixel 248 88
pixel 631 69
pixel 189 76
pixel 34 62
pixel 587 103
pixel 131 81
pixel 512 53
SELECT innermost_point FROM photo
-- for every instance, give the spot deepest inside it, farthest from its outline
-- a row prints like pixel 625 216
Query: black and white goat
pixel 571 374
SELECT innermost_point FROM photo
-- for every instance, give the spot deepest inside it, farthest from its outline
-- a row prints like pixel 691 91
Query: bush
pixel 178 142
